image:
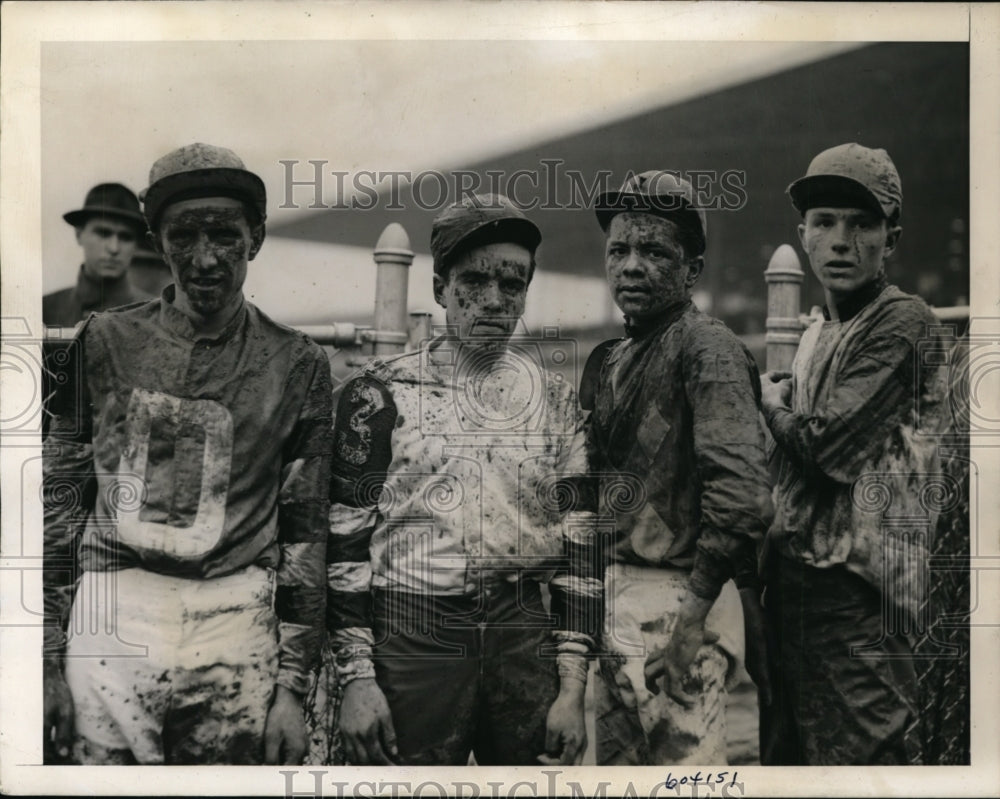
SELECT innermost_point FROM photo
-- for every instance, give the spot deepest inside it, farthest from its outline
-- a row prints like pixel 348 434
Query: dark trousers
pixel 844 686
pixel 467 674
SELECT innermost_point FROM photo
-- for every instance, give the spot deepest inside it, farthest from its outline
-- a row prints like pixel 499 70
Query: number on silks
pixel 183 450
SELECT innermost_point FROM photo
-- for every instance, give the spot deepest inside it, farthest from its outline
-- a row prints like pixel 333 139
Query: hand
pixel 366 725
pixel 808 319
pixel 673 662
pixel 775 389
pixel 57 729
pixel 285 730
pixel 565 729
pixel 755 633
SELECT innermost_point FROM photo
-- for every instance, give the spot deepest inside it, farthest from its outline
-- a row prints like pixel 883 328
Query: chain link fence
pixel 940 732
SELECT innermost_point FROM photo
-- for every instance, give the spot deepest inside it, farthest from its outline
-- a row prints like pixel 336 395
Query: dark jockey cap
pixel 661 193
pixel 111 200
pixel 478 220
pixel 201 170
pixel 850 176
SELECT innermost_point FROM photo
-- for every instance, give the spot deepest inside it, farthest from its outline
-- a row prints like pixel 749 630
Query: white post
pixel 393 257
pixel 784 289
pixel 420 329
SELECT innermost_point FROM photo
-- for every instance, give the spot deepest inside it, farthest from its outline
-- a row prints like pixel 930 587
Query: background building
pixel 750 140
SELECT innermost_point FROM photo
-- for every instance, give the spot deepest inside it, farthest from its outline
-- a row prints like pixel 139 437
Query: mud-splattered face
pixel 647 268
pixel 485 289
pixel 207 243
pixel 108 247
pixel 846 247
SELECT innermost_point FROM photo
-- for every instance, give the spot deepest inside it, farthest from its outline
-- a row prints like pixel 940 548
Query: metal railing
pixel 393 330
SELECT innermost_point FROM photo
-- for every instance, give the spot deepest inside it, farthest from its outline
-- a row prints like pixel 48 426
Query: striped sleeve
pixel 69 489
pixel 578 591
pixel 362 451
pixel 69 483
pixel 303 505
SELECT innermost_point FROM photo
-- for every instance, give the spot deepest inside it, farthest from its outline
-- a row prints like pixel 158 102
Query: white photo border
pixel 26 25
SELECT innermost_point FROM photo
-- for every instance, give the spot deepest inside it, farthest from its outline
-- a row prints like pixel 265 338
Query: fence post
pixel 420 329
pixel 784 288
pixel 393 257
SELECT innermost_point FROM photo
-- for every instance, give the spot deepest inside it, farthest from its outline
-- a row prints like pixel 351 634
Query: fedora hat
pixel 108 199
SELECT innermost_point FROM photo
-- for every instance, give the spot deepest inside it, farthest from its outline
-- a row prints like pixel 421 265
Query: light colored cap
pixel 850 176
pixel 200 170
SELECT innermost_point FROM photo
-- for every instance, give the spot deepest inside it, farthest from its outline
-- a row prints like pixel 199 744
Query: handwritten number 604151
pixel 711 780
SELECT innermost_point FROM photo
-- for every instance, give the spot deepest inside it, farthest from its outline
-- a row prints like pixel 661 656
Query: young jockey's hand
pixel 565 729
pixel 285 730
pixel 366 725
pixel 775 390
pixel 673 662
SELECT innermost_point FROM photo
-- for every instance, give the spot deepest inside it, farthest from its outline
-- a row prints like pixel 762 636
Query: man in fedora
pixel 855 423
pixel 675 413
pixel 197 452
pixel 108 229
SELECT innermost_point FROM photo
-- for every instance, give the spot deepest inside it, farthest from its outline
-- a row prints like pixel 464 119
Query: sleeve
pixel 723 389
pixel 590 380
pixel 578 590
pixel 874 391
pixel 303 505
pixel 362 452
pixel 69 483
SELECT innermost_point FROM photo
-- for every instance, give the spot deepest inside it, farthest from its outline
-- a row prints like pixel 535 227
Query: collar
pixel 442 358
pixel 440 349
pixel 852 305
pixel 178 323
pixel 657 323
pixel 93 292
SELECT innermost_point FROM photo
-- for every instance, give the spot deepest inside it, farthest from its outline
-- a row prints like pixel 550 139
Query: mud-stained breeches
pixel 844 682
pixel 467 674
pixel 635 726
pixel 171 670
